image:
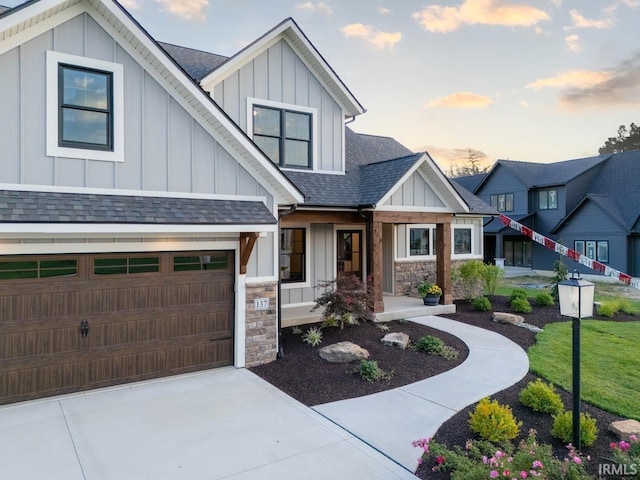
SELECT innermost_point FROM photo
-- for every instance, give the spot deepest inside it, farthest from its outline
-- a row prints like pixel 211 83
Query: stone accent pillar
pixel 261 325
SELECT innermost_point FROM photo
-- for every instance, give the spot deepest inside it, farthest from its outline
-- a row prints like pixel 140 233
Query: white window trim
pixel 307 258
pixel 251 102
pixel 431 228
pixel 472 254
pixel 53 149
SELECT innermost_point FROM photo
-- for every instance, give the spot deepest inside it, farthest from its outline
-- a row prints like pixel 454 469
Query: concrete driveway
pixel 218 424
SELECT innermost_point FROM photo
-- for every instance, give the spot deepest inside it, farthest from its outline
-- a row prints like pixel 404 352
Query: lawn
pixel 609 362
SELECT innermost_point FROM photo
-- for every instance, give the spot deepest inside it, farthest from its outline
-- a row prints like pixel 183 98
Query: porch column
pixel 376 254
pixel 443 262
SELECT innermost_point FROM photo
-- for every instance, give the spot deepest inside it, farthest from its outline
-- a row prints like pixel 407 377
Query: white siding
pixel 279 75
pixel 415 192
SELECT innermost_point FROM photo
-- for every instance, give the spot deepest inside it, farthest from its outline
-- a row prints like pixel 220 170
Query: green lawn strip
pixel 609 362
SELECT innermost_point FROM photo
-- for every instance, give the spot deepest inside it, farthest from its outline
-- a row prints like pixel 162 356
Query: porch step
pixel 409 312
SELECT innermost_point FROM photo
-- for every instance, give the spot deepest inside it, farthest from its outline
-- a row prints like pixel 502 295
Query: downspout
pixel 280 351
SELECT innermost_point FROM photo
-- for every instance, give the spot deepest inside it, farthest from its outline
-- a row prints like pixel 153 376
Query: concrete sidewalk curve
pixel 389 421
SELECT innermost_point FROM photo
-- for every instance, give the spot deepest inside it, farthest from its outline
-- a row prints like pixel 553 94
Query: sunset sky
pixel 532 80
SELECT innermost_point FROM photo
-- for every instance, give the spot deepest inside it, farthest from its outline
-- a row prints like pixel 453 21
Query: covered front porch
pixel 395 308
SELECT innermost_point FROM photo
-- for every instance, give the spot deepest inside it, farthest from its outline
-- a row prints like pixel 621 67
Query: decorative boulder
pixel 624 428
pixel 398 339
pixel 343 352
pixel 502 317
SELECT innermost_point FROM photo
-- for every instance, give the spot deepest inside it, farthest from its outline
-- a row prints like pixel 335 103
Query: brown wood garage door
pixel 70 323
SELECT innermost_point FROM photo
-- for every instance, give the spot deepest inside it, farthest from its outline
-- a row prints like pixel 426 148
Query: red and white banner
pixel 572 254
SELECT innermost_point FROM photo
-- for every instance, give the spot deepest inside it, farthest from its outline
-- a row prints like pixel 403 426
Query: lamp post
pixel 575 296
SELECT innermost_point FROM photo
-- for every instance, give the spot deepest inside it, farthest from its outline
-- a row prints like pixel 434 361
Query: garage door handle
pixel 84 328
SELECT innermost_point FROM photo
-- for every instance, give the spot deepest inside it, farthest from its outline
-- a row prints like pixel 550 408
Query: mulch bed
pixel 305 376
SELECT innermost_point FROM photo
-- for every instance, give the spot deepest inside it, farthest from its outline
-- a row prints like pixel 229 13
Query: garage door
pixel 70 323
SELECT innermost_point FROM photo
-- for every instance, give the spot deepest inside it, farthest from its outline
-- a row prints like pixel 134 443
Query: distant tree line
pixel 471 166
pixel 626 140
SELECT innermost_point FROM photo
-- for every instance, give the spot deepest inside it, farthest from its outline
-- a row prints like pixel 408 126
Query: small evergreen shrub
pixel 313 336
pixel 430 344
pixel 544 299
pixel 541 397
pixel 494 422
pixel 608 308
pixel 481 304
pixel 517 293
pixel 371 372
pixel 563 428
pixel 521 305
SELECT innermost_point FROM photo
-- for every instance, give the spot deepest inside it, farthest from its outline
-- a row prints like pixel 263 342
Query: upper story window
pixel 283 135
pixel 85 108
pixel 547 199
pixel 502 202
pixel 85 99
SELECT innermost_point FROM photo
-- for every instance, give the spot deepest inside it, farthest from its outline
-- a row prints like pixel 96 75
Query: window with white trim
pixel 462 241
pixel 85 108
pixel 421 240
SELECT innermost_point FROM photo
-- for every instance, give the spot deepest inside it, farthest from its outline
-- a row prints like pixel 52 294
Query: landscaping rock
pixel 343 352
pixel 398 339
pixel 624 428
pixel 503 317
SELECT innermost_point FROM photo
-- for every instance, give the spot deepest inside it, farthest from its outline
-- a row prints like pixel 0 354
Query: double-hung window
pixel 548 199
pixel 503 202
pixel 85 108
pixel 284 135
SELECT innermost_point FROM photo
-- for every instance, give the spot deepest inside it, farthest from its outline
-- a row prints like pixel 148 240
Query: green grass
pixel 608 364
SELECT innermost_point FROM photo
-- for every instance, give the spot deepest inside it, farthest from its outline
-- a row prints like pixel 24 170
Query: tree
pixel 626 140
pixel 471 165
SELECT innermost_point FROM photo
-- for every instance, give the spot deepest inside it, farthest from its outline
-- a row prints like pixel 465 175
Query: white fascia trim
pixel 287 32
pixel 402 208
pixel 195 101
pixel 127 229
pixel 131 193
pixel 52 107
pixel 252 101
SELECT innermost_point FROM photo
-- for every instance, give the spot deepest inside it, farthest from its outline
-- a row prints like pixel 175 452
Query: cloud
pixel 573 43
pixel 574 79
pixel 187 9
pixel 383 11
pixel 377 38
pixel 461 100
pixel 319 7
pixel 438 18
pixel 579 21
pixel 615 87
pixel 450 158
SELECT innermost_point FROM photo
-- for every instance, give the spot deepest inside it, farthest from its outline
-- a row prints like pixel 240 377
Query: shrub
pixel 544 299
pixel 470 275
pixel 313 336
pixel 345 300
pixel 541 397
pixel 494 422
pixel 481 304
pixel 521 305
pixel 608 308
pixel 491 277
pixel 517 293
pixel 430 344
pixel 563 428
pixel 371 372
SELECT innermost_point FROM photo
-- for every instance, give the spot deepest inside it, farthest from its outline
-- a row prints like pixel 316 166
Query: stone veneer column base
pixel 261 325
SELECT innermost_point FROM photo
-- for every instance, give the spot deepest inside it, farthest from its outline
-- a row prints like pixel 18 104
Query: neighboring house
pixel 590 205
pixel 153 199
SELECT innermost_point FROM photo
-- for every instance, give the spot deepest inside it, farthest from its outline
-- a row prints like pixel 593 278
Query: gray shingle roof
pixel 475 204
pixel 470 182
pixel 196 63
pixel 53 207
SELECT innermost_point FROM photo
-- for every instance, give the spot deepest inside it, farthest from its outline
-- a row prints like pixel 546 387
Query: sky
pixel 531 80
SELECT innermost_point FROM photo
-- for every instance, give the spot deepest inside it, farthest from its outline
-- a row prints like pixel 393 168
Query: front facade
pixel 155 217
pixel 589 205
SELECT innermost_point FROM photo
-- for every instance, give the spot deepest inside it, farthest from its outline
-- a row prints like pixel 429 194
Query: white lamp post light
pixel 575 296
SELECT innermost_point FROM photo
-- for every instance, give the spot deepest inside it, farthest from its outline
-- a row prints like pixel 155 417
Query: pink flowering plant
pixel 627 453
pixel 480 460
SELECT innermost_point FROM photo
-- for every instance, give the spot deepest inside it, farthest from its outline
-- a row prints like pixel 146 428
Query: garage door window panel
pixel 125 265
pixel 200 262
pixel 35 269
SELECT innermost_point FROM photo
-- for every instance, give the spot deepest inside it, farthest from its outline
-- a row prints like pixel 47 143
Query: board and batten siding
pixel 322 266
pixel 503 180
pixel 166 149
pixel 415 192
pixel 279 75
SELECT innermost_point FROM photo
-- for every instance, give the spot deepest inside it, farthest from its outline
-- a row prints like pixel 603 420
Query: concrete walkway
pixel 230 424
pixel 391 420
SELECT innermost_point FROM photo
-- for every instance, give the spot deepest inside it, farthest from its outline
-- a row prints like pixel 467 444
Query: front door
pixel 350 253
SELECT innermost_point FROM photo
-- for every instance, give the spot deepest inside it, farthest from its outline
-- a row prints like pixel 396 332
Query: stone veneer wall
pixel 261 325
pixel 409 274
